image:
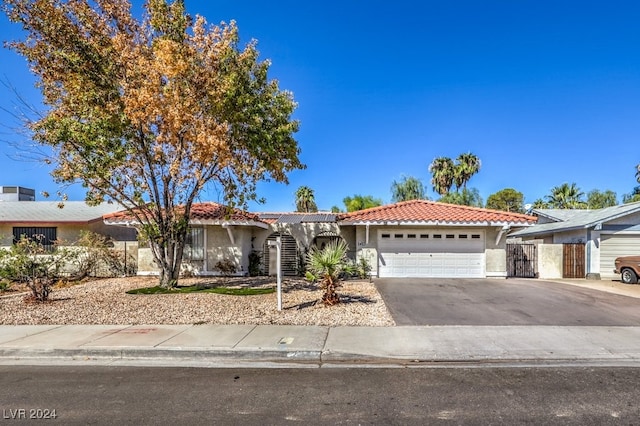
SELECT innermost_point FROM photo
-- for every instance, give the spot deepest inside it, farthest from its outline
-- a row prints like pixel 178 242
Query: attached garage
pixel 432 253
pixel 616 245
pixel 427 239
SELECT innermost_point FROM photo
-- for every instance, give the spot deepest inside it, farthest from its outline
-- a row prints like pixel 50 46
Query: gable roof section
pixel 578 219
pixel 69 212
pixel 201 214
pixel 423 212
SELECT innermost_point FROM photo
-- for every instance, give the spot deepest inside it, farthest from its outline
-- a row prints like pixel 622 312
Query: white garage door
pixel 419 253
pixel 612 246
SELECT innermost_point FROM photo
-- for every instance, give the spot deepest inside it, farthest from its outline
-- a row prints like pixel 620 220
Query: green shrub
pixel 254 264
pixel 29 262
pixel 226 267
pixel 99 258
pixel 363 268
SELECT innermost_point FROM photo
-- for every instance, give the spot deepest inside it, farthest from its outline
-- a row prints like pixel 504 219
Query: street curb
pixel 179 354
pixel 186 356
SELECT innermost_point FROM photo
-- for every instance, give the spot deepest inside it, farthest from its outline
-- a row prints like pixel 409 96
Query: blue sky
pixel 543 92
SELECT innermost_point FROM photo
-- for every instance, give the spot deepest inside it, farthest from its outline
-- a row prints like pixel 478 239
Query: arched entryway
pixel 324 238
pixel 290 255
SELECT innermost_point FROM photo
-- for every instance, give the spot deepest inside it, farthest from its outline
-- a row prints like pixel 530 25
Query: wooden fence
pixel 573 260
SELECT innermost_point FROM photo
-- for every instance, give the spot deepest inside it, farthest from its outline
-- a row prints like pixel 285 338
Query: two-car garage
pixel 431 253
pixel 427 239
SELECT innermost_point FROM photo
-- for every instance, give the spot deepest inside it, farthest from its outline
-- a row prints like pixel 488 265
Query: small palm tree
pixel 467 165
pixel 326 265
pixel 540 204
pixel 442 170
pixel 566 196
pixel 305 200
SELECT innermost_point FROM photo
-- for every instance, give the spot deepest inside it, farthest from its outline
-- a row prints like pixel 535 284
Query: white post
pixel 278 244
pixel 279 266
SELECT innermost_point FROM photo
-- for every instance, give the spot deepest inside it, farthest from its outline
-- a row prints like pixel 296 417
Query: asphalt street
pixel 141 396
pixel 435 301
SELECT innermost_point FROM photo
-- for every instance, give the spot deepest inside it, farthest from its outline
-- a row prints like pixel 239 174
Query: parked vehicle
pixel 629 269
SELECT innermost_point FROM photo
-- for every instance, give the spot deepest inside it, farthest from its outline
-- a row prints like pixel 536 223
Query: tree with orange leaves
pixel 148 112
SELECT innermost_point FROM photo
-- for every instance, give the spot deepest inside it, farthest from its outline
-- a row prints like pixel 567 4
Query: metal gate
pixel 521 260
pixel 573 260
pixel 290 255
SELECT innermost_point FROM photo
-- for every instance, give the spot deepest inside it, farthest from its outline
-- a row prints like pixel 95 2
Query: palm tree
pixel 597 199
pixel 638 173
pixel 467 165
pixel 305 200
pixel 326 265
pixel 540 204
pixel 409 188
pixel 566 196
pixel 442 170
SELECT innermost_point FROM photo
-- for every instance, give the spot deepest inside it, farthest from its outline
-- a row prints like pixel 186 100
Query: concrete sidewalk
pixel 304 346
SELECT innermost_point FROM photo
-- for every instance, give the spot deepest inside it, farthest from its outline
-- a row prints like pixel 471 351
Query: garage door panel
pixel 612 246
pixel 439 265
pixel 432 253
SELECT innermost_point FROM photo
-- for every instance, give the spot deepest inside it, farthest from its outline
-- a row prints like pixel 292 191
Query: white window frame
pixel 194 245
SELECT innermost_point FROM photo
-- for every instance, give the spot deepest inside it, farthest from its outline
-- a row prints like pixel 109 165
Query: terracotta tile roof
pixel 199 212
pixel 422 211
pixel 215 211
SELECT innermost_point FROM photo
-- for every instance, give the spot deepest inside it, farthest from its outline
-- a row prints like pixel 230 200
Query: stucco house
pixel 58 221
pixel 584 241
pixel 410 239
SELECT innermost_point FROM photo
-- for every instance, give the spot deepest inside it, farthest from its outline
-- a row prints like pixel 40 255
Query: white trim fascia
pixel 620 232
pixel 437 223
pixel 128 223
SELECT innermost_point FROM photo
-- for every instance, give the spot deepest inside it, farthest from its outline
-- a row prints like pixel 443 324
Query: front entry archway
pixel 324 238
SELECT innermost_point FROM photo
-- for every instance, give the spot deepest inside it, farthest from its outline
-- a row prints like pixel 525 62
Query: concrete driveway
pixel 453 301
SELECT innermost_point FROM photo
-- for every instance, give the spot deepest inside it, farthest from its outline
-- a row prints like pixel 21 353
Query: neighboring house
pixel 421 238
pixel 583 243
pixel 57 221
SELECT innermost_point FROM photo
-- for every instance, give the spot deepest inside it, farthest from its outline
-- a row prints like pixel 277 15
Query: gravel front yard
pixel 105 302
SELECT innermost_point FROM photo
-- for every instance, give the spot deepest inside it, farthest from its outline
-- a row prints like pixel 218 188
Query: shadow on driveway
pixel 494 302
